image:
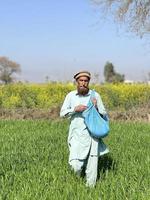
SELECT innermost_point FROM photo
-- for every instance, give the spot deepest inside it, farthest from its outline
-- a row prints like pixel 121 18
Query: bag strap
pixel 92 95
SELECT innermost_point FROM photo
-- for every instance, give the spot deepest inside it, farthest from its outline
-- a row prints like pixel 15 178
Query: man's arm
pixel 66 110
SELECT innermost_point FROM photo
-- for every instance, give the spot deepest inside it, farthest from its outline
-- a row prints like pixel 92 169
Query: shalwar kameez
pixel 84 149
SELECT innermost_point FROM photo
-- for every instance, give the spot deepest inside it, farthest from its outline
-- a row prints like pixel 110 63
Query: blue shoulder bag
pixel 98 126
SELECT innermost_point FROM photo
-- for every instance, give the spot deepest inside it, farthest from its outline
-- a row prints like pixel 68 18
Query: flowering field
pixel 45 96
pixel 34 163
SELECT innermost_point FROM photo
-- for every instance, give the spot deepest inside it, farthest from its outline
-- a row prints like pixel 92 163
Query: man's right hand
pixel 80 108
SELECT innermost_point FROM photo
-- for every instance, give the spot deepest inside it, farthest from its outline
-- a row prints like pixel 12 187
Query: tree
pixel 96 77
pixel 118 78
pixel 109 72
pixel 148 76
pixel 47 79
pixel 7 69
pixel 110 75
pixel 134 13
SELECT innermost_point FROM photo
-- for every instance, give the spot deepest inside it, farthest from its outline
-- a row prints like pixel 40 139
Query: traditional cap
pixel 82 73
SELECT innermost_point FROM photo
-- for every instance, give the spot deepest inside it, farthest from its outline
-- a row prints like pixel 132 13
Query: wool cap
pixel 82 73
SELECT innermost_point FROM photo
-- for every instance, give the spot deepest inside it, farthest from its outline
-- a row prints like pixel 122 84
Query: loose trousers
pixel 98 148
pixel 91 164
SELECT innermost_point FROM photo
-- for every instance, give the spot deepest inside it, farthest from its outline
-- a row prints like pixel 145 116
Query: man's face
pixel 82 85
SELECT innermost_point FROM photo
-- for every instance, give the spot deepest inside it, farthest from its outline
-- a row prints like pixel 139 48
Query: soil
pixel 134 114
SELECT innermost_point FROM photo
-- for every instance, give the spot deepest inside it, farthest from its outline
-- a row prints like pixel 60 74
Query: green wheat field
pixel 34 163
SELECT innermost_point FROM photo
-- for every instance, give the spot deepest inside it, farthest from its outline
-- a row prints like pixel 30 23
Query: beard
pixel 82 90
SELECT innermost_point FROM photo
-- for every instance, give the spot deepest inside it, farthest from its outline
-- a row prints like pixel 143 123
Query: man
pixel 84 149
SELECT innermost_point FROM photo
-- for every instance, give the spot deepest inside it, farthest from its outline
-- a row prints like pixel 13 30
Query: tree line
pixel 9 68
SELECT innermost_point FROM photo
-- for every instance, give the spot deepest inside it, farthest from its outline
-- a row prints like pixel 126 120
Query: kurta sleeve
pixel 66 110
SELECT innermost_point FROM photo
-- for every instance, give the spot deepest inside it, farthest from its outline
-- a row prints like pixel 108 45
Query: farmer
pixel 84 149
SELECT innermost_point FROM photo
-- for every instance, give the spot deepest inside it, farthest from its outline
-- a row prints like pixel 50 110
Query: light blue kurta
pixel 79 140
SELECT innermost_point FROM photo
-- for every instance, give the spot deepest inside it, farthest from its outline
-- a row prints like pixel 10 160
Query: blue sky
pixel 59 38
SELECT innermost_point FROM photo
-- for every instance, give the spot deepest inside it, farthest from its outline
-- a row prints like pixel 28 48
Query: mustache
pixel 83 86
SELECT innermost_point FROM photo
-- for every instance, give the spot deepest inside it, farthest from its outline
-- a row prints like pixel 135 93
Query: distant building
pixel 129 81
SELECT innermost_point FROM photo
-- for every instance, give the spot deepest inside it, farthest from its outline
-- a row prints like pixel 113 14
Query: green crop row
pixel 34 163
